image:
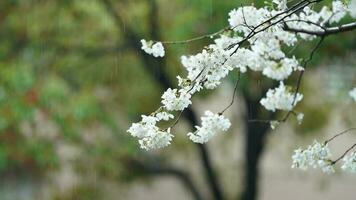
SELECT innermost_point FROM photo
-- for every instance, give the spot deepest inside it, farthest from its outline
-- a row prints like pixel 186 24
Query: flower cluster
pixel 211 124
pixel 149 135
pixel 317 156
pixel 282 70
pixel 155 49
pixel 255 41
pixel 349 163
pixel 339 10
pixel 280 98
pixel 176 100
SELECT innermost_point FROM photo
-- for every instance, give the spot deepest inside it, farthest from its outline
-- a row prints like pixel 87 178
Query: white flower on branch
pixel 155 49
pixel 165 116
pixel 224 42
pixel 156 139
pixel 282 70
pixel 149 135
pixel 172 99
pixel 268 47
pixel 349 163
pixel 310 20
pixel 256 40
pixel 281 4
pixel 241 19
pixel 316 156
pixel 339 11
pixel 211 124
pixel 280 99
pixel 207 67
pixel 352 94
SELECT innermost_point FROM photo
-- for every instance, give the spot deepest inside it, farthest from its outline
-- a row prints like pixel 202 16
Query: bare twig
pixel 233 94
pixel 325 31
pixel 339 134
pixel 196 38
pixel 343 155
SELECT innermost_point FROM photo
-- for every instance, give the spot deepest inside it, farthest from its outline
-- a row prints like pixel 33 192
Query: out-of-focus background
pixel 73 79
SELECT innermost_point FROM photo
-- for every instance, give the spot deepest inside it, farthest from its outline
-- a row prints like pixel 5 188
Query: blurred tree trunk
pixel 255 138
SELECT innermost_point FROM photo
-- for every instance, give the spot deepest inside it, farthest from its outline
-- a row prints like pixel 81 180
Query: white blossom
pixel 172 99
pixel 309 19
pixel 349 163
pixel 211 124
pixel 140 129
pixel 245 58
pixel 149 135
pixel 281 4
pixel 326 166
pixel 245 16
pixel 227 43
pixel 155 49
pixel 300 117
pixel 316 156
pixel 352 94
pixel 165 116
pixel 250 44
pixel 207 67
pixel 156 139
pixel 300 159
pixel 339 11
pixel 282 70
pixel 280 98
pixel 269 47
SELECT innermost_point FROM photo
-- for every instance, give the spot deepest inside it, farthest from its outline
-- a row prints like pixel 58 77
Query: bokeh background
pixel 73 79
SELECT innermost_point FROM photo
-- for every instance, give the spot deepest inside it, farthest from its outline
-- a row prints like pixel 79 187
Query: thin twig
pixel 305 66
pixel 233 95
pixel 177 120
pixel 327 31
pixel 339 134
pixel 196 38
pixel 343 155
pixel 299 81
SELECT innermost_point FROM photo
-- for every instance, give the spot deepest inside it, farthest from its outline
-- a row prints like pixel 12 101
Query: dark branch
pixel 233 94
pixel 325 31
pixel 159 170
pixel 344 154
pixel 339 134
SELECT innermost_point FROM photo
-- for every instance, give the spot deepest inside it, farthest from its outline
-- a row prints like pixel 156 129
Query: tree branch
pixel 339 134
pixel 325 31
pixel 159 170
pixel 343 155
